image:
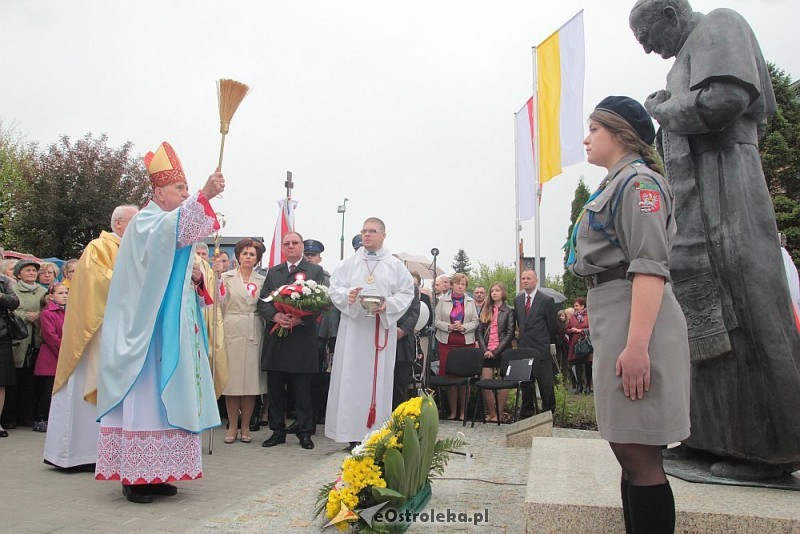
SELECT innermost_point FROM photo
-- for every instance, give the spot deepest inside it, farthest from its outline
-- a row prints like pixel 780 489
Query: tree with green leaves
pixel 486 275
pixel 780 158
pixel 573 286
pixel 69 192
pixel 461 263
pixel 15 159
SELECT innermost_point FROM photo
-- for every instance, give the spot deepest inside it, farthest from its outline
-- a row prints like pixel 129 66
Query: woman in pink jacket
pixel 52 323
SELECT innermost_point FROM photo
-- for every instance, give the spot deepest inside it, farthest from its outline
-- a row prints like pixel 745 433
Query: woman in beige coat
pixel 243 333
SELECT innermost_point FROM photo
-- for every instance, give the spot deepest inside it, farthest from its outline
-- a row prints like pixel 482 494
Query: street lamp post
pixel 341 209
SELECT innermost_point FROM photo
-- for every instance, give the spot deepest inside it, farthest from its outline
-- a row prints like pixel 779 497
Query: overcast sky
pixel 405 108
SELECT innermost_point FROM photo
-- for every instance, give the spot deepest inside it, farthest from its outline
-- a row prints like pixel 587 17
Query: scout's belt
pixel 620 272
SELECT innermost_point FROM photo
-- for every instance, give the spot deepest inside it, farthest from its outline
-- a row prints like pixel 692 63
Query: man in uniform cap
pixel 155 391
pixel 328 326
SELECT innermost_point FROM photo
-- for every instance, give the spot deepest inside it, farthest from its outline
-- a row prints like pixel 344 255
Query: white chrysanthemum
pixel 311 283
pixel 306 291
pixel 295 295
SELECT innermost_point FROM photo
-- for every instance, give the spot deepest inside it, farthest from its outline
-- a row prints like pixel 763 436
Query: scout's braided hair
pixel 627 137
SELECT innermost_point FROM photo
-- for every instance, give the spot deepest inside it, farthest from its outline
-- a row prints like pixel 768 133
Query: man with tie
pixel 291 359
pixel 537 321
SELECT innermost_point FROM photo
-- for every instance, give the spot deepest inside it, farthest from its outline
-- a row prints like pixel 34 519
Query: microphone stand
pixel 432 330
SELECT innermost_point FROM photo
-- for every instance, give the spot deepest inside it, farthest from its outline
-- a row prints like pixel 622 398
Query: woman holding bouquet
pixel 456 322
pixel 243 334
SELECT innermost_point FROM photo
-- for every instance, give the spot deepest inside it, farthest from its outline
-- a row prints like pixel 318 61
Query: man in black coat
pixel 406 351
pixel 538 328
pixel 292 359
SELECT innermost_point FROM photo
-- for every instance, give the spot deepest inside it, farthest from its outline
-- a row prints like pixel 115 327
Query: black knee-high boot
pixel 626 507
pixel 652 509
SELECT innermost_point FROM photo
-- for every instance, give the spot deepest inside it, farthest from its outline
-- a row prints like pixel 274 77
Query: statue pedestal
pixel 573 486
pixel 520 433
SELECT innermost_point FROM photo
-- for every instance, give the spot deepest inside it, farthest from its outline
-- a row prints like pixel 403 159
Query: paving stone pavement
pixel 249 489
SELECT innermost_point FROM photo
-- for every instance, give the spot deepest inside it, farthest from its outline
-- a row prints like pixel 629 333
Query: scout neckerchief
pixel 573 238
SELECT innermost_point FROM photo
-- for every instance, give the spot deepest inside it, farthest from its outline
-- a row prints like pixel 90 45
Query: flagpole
pixel 536 184
pixel 517 225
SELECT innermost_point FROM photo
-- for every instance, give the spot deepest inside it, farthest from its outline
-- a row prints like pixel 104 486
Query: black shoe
pixel 136 495
pixel 293 428
pixel 351 446
pixel 3 434
pixel 274 439
pixel 255 427
pixel 163 489
pixel 306 443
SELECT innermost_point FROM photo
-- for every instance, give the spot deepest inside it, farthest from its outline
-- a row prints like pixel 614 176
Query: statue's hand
pixel 655 99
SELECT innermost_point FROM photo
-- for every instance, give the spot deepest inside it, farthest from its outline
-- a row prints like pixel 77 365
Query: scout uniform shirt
pixel 628 221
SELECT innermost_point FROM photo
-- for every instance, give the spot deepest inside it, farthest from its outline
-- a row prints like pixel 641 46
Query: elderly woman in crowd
pixel 578 327
pixel 19 408
pixel 7 268
pixel 495 334
pixel 243 333
pixel 456 320
pixel 48 273
pixel 8 303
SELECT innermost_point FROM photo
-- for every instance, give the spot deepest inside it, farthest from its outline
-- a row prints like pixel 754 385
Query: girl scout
pixel 620 245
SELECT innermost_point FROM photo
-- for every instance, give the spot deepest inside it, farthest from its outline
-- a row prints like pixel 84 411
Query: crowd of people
pixel 160 347
pixel 478 318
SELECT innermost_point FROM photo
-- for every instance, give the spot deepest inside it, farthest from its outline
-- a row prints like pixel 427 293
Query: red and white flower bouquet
pixel 300 299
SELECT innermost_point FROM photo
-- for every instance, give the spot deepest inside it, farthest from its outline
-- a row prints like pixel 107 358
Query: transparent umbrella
pixel 557 296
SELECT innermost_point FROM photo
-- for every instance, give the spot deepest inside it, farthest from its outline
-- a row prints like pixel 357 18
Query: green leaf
pixel 394 470
pixel 386 494
pixel 429 431
pixel 411 457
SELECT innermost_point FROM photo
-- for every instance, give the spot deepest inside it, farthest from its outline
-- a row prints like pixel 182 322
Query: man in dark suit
pixel 406 351
pixel 292 359
pixel 538 327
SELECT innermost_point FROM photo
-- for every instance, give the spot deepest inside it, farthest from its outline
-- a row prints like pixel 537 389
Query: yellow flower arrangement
pixel 375 471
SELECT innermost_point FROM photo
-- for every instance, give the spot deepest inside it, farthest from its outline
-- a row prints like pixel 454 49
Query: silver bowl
pixel 371 303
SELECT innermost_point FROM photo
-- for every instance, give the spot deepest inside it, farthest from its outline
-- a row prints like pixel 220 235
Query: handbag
pixel 17 329
pixel 583 347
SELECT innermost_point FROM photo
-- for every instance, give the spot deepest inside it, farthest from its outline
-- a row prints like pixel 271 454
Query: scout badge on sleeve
pixel 649 197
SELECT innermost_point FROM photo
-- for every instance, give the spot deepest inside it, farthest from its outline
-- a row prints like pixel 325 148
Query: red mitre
pixel 164 166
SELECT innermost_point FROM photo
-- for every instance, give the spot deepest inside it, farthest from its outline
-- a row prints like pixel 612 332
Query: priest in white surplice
pixel 360 396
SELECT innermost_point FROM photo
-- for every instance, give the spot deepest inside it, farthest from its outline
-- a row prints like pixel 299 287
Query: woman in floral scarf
pixel 456 321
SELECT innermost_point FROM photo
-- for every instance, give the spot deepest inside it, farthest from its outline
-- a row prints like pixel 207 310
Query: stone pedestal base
pixel 573 486
pixel 521 433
